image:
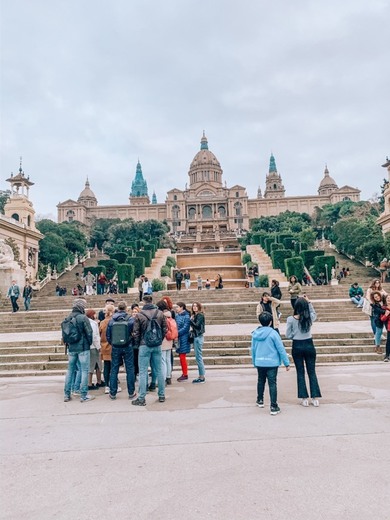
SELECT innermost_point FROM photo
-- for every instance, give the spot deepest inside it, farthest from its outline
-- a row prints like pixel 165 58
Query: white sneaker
pixel 119 389
pixel 315 402
pixel 107 390
pixel 305 402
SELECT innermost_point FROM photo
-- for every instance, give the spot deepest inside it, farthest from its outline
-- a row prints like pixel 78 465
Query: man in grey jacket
pixel 79 352
pixel 13 294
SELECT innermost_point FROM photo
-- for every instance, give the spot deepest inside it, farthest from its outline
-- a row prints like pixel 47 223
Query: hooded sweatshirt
pixel 267 348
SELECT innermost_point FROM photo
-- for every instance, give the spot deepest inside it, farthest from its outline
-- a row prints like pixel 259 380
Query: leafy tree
pixel 53 250
pixel 99 231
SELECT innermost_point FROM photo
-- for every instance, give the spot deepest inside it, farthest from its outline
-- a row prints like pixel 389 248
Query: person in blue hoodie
pixel 268 353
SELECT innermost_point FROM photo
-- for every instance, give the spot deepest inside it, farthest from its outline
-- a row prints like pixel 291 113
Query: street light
pixel 326 273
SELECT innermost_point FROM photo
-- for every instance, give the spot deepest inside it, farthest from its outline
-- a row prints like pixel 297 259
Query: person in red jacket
pixel 386 320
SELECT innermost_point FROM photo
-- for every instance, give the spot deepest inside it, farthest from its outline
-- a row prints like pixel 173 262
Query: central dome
pixel 205 167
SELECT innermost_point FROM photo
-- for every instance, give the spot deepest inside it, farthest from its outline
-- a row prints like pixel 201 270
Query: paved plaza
pixel 207 452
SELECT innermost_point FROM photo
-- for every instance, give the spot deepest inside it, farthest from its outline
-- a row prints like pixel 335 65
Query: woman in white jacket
pixel 95 358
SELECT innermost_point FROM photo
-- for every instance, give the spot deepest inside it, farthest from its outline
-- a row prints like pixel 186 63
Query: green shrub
pixel 263 280
pixel 139 265
pixel 95 270
pixel 256 237
pixel 278 256
pixel 294 266
pixel 148 257
pixel 309 256
pixel 282 236
pixel 262 241
pixel 119 257
pixel 152 248
pixel 170 262
pixel 299 247
pixel 319 265
pixel 110 266
pixel 246 257
pixel 125 277
pixel 267 242
pixel 275 246
pixel 158 285
pixel 165 271
pixel 288 242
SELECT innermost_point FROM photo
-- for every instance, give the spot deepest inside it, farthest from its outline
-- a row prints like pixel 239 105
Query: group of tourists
pixel 185 277
pixel 90 285
pixel 142 338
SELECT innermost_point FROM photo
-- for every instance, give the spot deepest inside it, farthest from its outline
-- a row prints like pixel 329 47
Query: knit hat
pixel 79 305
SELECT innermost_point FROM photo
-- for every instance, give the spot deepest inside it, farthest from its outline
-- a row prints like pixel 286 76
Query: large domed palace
pixel 206 204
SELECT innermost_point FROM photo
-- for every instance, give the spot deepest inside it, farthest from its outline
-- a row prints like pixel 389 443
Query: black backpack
pixel 153 336
pixel 70 331
pixel 120 336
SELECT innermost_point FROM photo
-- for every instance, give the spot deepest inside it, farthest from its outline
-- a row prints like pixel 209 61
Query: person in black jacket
pixel 197 323
pixel 79 352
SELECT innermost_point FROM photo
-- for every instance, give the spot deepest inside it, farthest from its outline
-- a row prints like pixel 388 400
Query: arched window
pixel 237 194
pixel 207 212
pixel 346 198
pixel 222 211
pixel 191 213
pixel 175 197
pixel 15 216
pixel 175 212
pixel 275 186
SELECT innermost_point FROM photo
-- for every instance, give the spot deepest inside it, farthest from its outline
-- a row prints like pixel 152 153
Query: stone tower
pixel 139 189
pixel 274 188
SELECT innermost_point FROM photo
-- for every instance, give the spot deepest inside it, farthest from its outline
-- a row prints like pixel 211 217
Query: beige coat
pixel 274 303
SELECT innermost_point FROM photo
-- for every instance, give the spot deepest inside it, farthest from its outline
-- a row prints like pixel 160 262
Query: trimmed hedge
pixel 262 241
pixel 309 256
pixel 267 243
pixel 138 263
pixel 282 236
pixel 125 277
pixel 111 267
pixel 294 266
pixel 278 257
pixel 148 257
pixel 246 257
pixel 119 257
pixel 319 265
pixel 152 248
pixel 158 285
pixel 95 270
pixel 170 262
pixel 276 245
pixel 263 280
pixel 165 271
pixel 288 242
pixel 299 247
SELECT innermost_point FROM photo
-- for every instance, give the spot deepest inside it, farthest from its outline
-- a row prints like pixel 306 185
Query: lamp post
pixel 326 273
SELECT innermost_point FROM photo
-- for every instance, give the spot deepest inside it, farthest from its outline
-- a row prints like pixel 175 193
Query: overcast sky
pixel 90 86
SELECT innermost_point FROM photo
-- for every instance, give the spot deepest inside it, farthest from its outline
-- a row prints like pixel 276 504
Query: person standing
pixel 187 280
pixel 303 350
pixel 149 354
pixel 256 275
pixel 89 280
pixel 13 294
pixel 27 294
pixel 101 283
pixel 269 304
pixel 183 348
pixel 78 350
pixel 199 283
pixel 197 323
pixel 178 279
pixel 383 267
pixel 294 289
pixel 95 360
pixel 268 353
pixel 119 336
pixel 106 348
pixel 386 320
pixel 367 309
pixel 140 287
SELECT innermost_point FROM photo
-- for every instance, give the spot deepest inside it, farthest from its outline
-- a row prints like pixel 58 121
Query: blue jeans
pixel 75 387
pixel 150 356
pixel 270 373
pixel 373 326
pixel 304 353
pixel 378 335
pixel 198 345
pixel 357 301
pixel 83 359
pixel 27 302
pixel 117 353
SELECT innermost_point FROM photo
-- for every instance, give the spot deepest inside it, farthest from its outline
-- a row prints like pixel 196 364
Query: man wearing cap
pixel 79 352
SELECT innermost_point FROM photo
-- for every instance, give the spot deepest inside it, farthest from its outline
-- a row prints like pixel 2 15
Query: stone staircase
pixel 260 257
pixel 158 261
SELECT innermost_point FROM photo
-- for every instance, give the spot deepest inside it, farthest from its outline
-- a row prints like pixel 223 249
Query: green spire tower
pixel 139 188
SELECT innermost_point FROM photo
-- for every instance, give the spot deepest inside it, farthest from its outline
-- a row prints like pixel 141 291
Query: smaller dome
pixel 327 180
pixel 87 192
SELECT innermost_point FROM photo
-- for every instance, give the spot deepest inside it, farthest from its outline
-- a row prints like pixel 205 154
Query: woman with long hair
pixel 377 311
pixel 294 289
pixel 105 346
pixel 198 328
pixel 303 350
pixel 375 286
pixel 183 328
pixel 269 304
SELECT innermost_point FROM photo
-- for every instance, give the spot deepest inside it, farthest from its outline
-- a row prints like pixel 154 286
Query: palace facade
pixel 206 204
